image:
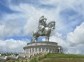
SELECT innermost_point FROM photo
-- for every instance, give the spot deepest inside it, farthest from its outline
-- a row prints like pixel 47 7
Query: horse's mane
pixel 51 24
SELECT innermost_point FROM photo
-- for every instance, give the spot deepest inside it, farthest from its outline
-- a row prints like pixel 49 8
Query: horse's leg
pixel 34 39
pixel 47 38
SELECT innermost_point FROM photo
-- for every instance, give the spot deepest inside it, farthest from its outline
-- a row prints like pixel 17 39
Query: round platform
pixel 42 47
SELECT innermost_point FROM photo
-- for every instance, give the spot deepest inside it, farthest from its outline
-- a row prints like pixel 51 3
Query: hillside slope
pixel 63 58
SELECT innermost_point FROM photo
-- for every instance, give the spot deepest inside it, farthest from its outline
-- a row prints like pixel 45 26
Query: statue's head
pixel 43 18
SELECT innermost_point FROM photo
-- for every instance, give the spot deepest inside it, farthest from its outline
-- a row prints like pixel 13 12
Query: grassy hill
pixel 53 57
pixel 63 58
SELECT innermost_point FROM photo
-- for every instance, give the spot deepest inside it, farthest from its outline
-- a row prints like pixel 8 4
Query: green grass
pixel 53 55
pixel 63 58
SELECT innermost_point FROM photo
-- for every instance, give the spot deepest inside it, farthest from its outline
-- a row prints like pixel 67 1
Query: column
pixel 41 49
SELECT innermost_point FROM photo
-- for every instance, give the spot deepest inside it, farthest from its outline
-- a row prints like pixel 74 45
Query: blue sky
pixel 19 18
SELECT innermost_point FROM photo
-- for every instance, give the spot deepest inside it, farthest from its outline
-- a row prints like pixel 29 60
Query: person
pixel 42 23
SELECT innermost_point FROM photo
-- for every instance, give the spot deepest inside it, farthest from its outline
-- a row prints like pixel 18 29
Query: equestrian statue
pixel 44 29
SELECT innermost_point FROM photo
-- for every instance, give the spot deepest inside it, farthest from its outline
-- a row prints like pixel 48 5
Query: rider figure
pixel 42 23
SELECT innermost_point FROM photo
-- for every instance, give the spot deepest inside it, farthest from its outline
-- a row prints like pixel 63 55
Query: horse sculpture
pixel 44 29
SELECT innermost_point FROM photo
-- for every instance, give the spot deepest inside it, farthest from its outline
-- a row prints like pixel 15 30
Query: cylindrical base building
pixel 42 47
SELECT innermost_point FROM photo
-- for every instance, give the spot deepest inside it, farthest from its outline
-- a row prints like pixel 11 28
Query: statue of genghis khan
pixel 44 29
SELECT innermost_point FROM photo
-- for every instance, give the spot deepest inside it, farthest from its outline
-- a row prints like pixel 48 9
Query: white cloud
pixel 76 40
pixel 12 24
pixel 11 45
pixel 32 15
pixel 77 49
pixel 77 36
pixel 58 40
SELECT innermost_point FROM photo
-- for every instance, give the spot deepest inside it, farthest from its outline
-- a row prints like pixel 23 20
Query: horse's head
pixel 51 25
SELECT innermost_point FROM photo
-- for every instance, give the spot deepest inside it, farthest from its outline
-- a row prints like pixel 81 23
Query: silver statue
pixel 44 29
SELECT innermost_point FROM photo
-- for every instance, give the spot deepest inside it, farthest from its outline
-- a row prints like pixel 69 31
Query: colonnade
pixel 37 50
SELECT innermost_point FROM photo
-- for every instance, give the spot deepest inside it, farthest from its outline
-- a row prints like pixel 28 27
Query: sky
pixel 19 18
